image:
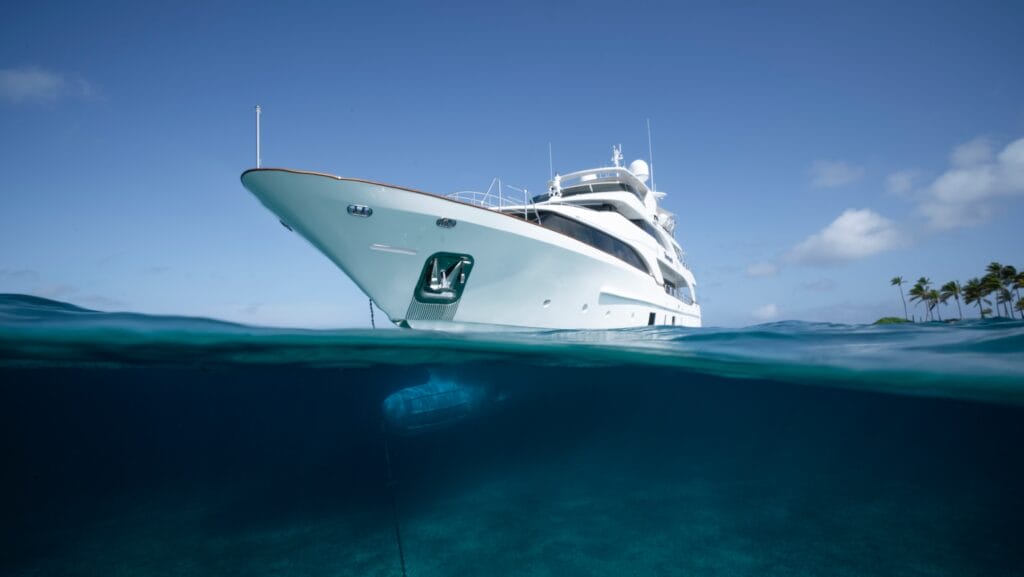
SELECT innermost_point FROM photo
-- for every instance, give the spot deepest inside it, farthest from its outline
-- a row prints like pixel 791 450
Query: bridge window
pixel 601 187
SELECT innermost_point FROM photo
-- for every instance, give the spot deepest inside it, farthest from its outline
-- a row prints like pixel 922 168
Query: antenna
pixel 650 153
pixel 258 159
pixel 551 163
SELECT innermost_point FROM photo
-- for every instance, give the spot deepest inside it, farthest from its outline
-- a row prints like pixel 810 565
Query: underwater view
pixel 143 445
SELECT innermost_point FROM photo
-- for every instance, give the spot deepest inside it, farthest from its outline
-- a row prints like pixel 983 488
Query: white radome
pixel 640 169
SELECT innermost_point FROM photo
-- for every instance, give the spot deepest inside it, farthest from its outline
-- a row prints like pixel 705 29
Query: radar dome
pixel 640 169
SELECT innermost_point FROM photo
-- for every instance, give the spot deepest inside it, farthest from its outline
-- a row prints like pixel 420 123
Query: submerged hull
pixel 400 246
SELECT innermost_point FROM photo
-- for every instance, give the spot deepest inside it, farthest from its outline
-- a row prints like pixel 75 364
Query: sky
pixel 811 151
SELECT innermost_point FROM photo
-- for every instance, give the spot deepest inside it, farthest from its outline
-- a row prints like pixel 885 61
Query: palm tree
pixel 1000 279
pixel 952 290
pixel 1018 283
pixel 974 293
pixel 992 283
pixel 919 292
pixel 933 302
pixel 897 281
pixel 1004 281
pixel 1005 297
pixel 1008 276
pixel 924 294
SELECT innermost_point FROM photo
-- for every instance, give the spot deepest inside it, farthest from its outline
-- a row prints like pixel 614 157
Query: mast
pixel 551 163
pixel 650 153
pixel 259 161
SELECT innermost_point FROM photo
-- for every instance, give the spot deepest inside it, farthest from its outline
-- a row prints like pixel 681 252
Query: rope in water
pixel 394 506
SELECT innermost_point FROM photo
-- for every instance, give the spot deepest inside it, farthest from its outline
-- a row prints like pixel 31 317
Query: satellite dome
pixel 640 169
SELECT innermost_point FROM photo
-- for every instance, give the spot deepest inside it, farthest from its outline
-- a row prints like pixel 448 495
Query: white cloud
pixel 762 269
pixel 947 216
pixel 902 182
pixel 29 84
pixel 834 173
pixel 33 84
pixel 765 313
pixel 854 235
pixel 973 153
pixel 965 194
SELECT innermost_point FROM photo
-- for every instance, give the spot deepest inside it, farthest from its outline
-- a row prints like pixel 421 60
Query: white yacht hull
pixel 522 275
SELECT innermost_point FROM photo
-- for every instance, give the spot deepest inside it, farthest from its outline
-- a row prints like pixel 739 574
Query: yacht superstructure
pixel 594 252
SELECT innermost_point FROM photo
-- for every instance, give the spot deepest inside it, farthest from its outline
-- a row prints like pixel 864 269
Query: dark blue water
pixel 135 445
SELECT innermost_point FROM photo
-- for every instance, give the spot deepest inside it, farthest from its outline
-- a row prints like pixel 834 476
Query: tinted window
pixel 599 207
pixel 649 229
pixel 576 190
pixel 600 187
pixel 612 187
pixel 595 238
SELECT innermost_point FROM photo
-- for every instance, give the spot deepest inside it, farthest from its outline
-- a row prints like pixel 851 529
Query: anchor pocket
pixel 444 277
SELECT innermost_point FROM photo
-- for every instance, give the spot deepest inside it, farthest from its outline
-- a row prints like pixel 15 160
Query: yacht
pixel 594 252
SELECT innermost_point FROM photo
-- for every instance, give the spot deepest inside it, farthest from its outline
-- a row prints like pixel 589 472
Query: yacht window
pixel 649 229
pixel 681 292
pixel 601 187
pixel 612 187
pixel 593 237
pixel 604 207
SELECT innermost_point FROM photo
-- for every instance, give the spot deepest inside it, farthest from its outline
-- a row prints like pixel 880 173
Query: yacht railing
pixel 475 197
pixel 498 200
pixel 494 198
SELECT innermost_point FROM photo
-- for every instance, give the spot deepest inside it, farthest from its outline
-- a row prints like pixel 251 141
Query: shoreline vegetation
pixel 996 294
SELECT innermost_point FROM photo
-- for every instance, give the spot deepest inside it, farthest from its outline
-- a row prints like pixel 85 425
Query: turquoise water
pixel 140 445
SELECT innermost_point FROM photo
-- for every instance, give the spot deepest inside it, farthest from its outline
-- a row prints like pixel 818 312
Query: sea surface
pixel 144 446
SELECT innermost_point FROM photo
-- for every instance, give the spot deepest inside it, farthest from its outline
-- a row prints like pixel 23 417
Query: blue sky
pixel 811 150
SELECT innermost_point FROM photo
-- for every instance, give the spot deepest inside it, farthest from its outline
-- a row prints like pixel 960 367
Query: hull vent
pixel 431 312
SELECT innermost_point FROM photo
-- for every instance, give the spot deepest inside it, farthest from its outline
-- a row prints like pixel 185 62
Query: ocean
pixel 157 446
